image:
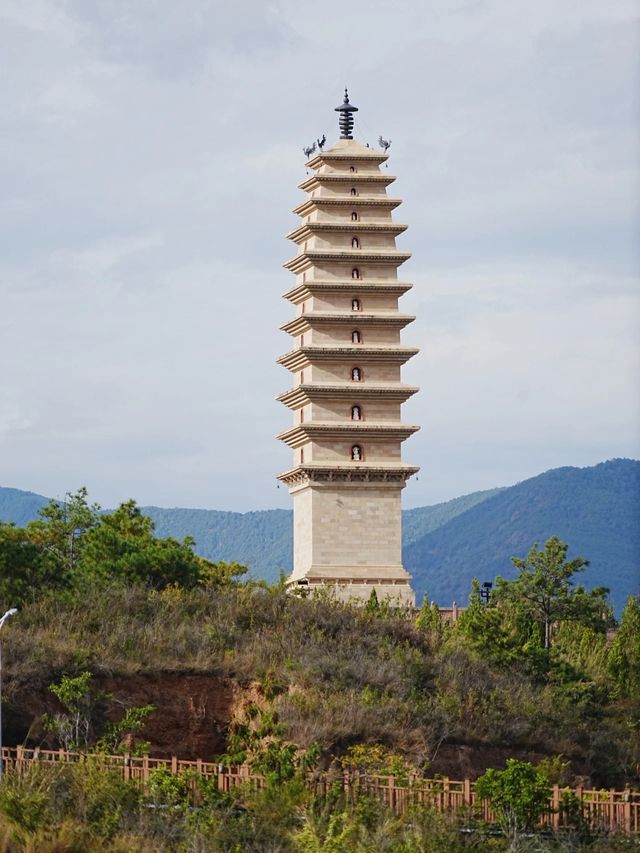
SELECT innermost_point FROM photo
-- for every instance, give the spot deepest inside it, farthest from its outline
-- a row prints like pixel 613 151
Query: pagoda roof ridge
pixel 297 358
pixel 301 394
pixel 358 227
pixel 346 149
pixel 299 434
pixel 310 202
pixel 345 178
pixel 362 318
pixel 347 255
pixel 355 472
pixel 382 314
pixel 298 293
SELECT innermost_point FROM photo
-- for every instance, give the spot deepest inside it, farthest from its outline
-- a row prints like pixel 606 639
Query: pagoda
pixel 346 358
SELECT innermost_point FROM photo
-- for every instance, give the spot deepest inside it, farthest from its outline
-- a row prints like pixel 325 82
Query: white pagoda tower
pixel 348 474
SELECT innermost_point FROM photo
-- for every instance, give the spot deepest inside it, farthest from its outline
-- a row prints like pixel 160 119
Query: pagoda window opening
pixel 355 273
pixel 301 340
pixel 356 374
pixel 356 413
pixel 352 169
pixel 302 377
pixel 355 305
pixel 356 337
pixel 301 416
pixel 356 453
pixel 355 243
pixel 301 455
pixel 354 191
pixel 354 216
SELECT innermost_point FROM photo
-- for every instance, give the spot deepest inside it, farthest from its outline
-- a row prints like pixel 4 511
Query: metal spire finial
pixel 345 121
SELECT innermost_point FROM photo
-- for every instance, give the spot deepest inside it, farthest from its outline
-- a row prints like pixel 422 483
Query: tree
pixel 492 631
pixel 624 657
pixel 23 571
pixel 60 531
pixel 372 606
pixel 73 728
pixel 122 548
pixel 519 795
pixel 428 618
pixel 544 589
pixel 219 575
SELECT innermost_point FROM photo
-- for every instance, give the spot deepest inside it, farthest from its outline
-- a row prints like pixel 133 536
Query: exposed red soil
pixel 190 719
pixel 192 716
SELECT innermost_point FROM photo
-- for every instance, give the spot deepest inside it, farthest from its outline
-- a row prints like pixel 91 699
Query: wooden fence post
pixel 555 805
pixel 391 785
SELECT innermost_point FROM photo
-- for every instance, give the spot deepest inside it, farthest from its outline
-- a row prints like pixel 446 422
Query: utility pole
pixel 9 613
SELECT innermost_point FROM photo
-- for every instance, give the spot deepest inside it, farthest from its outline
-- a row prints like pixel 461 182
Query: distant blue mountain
pixel 20 507
pixel 595 510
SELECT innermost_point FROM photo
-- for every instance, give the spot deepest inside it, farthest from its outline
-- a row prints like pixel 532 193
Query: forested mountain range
pixel 596 510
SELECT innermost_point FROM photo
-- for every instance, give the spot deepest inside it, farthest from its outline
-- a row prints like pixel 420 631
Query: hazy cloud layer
pixel 149 155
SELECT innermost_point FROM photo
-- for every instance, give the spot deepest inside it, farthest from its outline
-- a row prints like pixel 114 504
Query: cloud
pixel 149 157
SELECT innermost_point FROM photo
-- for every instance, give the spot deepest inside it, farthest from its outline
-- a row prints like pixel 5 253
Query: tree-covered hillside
pixel 596 509
pixel 263 541
pixel 417 522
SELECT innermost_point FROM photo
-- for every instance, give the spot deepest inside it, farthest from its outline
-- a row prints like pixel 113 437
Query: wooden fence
pixel 604 810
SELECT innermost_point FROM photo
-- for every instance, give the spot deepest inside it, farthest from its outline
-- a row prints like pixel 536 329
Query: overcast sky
pixel 149 156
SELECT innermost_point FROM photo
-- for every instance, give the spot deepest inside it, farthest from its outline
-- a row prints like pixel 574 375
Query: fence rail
pixel 605 810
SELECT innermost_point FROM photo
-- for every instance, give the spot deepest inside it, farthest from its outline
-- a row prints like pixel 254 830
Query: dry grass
pixel 336 674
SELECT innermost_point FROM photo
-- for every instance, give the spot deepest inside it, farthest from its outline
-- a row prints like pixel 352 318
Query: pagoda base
pixel 355 583
pixel 347 531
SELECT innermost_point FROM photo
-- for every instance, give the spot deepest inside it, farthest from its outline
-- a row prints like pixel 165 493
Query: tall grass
pixel 334 673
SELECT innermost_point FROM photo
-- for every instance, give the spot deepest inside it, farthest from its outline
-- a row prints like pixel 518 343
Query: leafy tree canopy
pixel 519 796
pixel 523 618
pixel 544 589
pixel 73 545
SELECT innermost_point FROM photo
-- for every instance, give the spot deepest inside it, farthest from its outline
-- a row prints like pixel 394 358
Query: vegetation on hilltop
pixel 74 546
pixel 531 670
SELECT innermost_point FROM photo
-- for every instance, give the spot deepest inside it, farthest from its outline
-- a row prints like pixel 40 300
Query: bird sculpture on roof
pixel 309 151
pixel 383 143
pixel 321 142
